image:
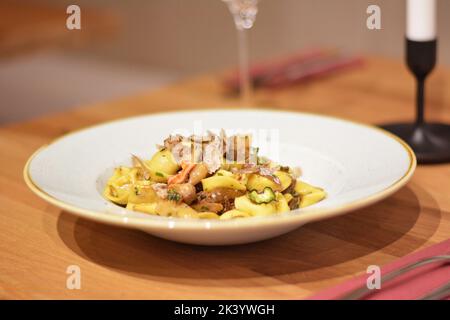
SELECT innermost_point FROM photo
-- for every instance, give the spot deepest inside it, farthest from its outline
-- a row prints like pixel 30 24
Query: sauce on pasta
pixel 209 177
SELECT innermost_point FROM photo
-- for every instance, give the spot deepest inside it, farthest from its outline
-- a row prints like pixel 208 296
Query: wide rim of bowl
pixel 298 216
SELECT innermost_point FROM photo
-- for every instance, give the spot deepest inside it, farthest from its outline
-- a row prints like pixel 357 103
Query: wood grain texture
pixel 27 25
pixel 38 241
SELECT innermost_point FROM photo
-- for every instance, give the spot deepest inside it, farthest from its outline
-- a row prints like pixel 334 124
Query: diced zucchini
pixel 264 197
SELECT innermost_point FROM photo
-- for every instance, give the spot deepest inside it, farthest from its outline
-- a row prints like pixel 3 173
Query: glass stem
pixel 244 69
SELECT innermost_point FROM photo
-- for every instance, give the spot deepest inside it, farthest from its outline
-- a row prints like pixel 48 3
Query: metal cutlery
pixel 361 292
pixel 438 294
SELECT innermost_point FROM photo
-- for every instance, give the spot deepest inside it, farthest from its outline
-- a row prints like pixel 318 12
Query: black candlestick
pixel 430 141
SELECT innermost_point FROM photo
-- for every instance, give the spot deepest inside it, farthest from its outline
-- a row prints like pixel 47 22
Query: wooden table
pixel 27 26
pixel 38 241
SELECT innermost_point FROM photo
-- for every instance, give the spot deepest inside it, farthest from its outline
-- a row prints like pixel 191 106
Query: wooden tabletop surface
pixel 26 25
pixel 38 241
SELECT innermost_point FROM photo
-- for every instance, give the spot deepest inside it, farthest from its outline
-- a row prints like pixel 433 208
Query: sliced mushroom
pixel 186 191
pixel 203 206
pixel 291 188
pixel 199 172
pixel 220 194
pixel 137 162
pixel 294 203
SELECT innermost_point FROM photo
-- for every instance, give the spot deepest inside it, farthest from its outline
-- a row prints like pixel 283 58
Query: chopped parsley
pixel 172 195
pixel 159 174
pixel 262 160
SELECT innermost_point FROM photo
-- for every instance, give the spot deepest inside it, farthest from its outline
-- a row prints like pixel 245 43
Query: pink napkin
pixel 411 285
pixel 280 72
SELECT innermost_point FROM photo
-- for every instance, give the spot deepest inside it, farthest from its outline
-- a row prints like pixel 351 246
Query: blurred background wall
pixel 157 41
pixel 198 35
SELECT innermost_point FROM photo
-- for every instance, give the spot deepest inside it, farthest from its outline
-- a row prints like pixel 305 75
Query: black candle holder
pixel 430 141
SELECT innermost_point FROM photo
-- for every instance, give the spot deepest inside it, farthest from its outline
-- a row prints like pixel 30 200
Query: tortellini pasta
pixel 233 214
pixel 258 182
pixel 309 194
pixel 208 189
pixel 215 182
pixel 120 184
pixel 161 166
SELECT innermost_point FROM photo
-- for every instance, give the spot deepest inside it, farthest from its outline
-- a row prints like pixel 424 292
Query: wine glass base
pixel 430 141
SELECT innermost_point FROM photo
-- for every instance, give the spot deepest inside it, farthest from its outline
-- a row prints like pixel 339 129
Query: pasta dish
pixel 209 177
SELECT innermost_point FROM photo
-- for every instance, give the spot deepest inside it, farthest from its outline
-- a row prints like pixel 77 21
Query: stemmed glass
pixel 244 15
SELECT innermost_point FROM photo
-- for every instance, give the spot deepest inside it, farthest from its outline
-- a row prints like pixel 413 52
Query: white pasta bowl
pixel 356 164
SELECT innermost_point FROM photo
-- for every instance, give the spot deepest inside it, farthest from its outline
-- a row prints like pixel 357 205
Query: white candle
pixel 421 20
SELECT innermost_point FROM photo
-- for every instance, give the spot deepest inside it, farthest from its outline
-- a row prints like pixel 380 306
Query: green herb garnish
pixel 172 195
pixel 262 160
pixel 159 174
